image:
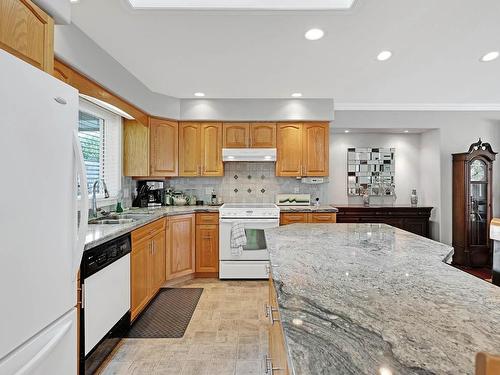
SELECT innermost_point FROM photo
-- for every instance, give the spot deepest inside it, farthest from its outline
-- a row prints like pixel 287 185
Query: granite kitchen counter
pixel 322 208
pixel 98 234
pixel 357 298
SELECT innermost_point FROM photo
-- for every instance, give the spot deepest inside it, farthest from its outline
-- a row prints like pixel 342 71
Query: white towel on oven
pixel 238 238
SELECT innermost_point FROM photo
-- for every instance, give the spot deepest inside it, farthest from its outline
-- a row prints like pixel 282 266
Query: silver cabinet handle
pixel 269 314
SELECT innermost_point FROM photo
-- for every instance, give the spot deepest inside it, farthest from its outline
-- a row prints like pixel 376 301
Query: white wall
pixel 407 160
pixel 256 109
pixel 76 49
pixel 59 10
pixel 457 130
pixel 430 177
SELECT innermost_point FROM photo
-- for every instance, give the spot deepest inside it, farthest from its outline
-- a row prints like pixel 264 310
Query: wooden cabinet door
pixel 289 148
pixel 135 149
pixel 277 351
pixel 293 218
pixel 27 32
pixel 235 134
pixel 164 147
pixel 211 149
pixel 181 246
pixel 189 149
pixel 315 146
pixel 323 217
pixel 207 248
pixel 158 261
pixel 263 135
pixel 139 276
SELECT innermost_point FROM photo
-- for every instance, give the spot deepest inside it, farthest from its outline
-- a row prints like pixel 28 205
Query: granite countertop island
pixel 373 299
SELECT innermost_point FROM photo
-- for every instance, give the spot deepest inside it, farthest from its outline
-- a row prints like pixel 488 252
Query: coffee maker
pixel 149 194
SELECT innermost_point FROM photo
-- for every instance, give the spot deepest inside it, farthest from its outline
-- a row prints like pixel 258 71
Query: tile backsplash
pixel 248 182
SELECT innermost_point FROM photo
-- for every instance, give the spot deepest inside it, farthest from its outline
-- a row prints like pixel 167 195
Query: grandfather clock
pixel 472 205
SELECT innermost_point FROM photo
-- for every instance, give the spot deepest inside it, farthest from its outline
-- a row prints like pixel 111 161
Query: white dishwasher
pixel 105 307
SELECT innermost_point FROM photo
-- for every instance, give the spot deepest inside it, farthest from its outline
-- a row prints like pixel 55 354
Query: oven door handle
pixel 255 220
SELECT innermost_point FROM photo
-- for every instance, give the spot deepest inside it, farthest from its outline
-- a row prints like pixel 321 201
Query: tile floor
pixel 227 335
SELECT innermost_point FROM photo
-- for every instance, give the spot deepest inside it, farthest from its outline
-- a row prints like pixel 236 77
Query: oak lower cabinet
pixel 307 217
pixel 207 244
pixel 27 32
pixel 200 149
pixel 277 358
pixel 303 149
pixel 181 239
pixel 147 264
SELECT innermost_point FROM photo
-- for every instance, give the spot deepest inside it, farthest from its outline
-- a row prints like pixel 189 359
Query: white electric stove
pixel 253 262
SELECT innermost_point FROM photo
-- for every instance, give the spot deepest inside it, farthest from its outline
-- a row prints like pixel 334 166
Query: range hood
pixel 248 154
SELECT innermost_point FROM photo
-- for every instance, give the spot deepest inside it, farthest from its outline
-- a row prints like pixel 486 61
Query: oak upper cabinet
pixel 207 243
pixel 263 135
pixel 164 147
pixel 135 149
pixel 315 149
pixel 303 149
pixel 236 134
pixel 254 135
pixel 180 260
pixel 27 32
pixel 211 149
pixel 189 149
pixel 289 148
pixel 200 149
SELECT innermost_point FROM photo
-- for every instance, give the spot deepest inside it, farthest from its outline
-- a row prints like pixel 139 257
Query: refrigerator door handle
pixel 83 205
pixel 42 354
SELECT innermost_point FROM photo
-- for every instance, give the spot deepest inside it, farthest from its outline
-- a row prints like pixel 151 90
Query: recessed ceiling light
pixel 406 131
pixel 346 131
pixel 296 95
pixel 314 34
pixel 490 56
pixel 384 55
pixel 199 94
pixel 74 1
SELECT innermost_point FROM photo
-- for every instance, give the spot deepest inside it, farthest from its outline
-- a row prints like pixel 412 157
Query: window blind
pixel 99 131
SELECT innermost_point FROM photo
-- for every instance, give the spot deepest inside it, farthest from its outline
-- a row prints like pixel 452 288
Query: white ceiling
pixel 436 47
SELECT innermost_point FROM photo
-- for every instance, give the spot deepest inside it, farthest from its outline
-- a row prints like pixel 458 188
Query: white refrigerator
pixel 41 238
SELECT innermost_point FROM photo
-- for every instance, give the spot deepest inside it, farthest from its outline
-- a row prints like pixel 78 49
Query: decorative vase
pixel 414 198
pixel 366 198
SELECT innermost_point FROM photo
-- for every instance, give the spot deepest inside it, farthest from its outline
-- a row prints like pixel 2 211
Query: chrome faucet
pixel 94 196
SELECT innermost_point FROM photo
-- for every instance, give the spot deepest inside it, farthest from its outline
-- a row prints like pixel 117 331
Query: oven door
pixel 255 248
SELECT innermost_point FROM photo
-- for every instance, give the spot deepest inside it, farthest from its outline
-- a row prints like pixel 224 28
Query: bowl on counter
pixel 179 201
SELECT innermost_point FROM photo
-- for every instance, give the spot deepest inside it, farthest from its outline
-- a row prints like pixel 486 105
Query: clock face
pixel 478 171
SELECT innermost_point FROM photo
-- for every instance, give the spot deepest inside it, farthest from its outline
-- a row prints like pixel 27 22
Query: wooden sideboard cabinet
pixel 411 219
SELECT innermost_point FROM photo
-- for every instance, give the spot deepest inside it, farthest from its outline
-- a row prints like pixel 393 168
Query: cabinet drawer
pixel 148 230
pixel 323 217
pixel 293 217
pixel 207 218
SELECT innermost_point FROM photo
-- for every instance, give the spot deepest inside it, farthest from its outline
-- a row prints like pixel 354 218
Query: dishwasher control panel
pixel 103 255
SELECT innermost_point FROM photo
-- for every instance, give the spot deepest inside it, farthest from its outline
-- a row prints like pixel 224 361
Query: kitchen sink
pixel 119 218
pixel 111 221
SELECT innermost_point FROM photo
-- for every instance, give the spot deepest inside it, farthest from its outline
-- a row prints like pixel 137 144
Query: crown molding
pixel 416 106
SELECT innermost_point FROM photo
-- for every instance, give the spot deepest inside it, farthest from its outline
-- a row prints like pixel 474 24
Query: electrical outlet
pixel 296 190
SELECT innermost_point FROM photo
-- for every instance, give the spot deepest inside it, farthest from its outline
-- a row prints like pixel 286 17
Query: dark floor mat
pixel 168 315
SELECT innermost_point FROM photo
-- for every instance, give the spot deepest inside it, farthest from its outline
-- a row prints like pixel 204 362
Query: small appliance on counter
pixel 495 236
pixel 149 194
pixel 293 199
